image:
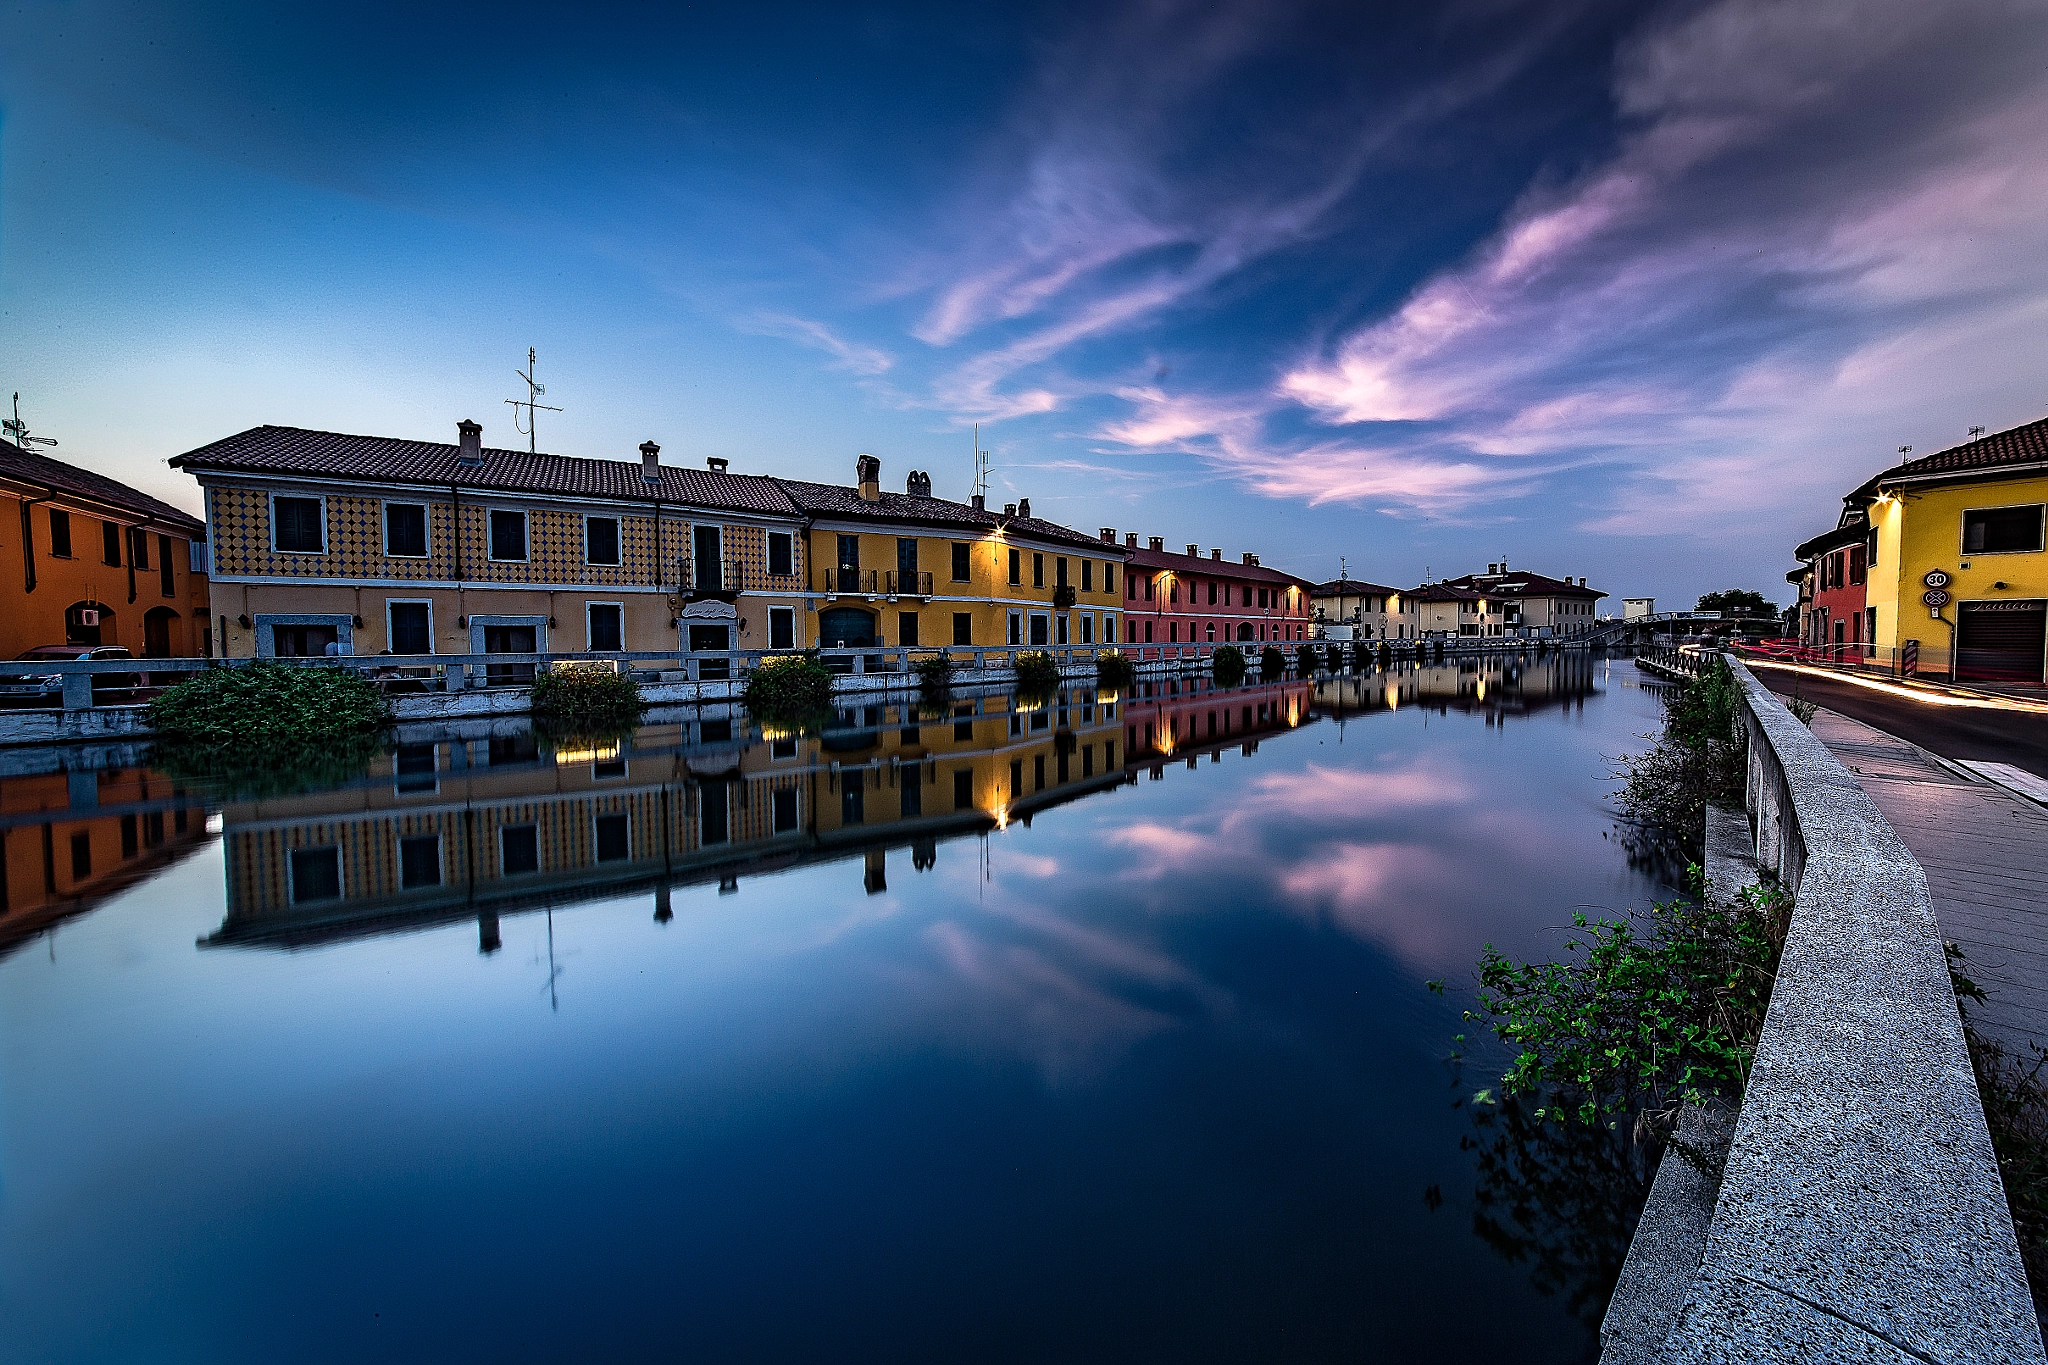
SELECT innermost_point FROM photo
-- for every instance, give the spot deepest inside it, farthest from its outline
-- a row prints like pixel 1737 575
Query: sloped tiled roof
pixel 1440 592
pixel 385 459
pixel 838 500
pixel 27 466
pixel 2020 445
pixel 1524 585
pixel 1218 568
pixel 1832 540
pixel 1351 587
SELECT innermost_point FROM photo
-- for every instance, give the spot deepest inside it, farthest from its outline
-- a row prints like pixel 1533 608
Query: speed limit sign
pixel 1937 578
pixel 1934 597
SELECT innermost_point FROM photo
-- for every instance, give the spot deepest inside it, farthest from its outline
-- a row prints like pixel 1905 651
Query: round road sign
pixel 1936 578
pixel 1934 597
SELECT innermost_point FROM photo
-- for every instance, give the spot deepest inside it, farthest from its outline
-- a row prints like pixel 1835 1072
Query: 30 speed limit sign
pixel 1936 578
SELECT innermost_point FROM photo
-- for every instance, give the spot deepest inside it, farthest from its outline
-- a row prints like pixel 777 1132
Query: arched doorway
pixel 159 629
pixel 846 626
pixel 88 623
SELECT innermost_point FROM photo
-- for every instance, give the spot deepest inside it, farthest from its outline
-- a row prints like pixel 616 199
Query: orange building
pixel 88 561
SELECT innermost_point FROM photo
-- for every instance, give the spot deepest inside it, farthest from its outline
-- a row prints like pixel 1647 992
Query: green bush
pixel 1229 665
pixel 1115 670
pixel 1272 663
pixel 586 702
pixel 269 728
pixel 1037 672
pixel 1698 761
pixel 791 687
pixel 934 671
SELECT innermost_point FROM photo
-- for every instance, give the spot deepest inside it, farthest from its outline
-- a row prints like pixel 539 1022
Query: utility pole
pixel 530 403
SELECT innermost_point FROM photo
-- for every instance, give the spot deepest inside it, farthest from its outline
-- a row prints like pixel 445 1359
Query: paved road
pixel 1956 732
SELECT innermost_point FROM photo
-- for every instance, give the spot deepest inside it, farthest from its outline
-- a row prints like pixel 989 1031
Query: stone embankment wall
pixel 1859 1214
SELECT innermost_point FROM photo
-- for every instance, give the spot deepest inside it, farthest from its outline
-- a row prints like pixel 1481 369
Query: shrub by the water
pixel 791 686
pixel 1272 663
pixel 1115 670
pixel 269 728
pixel 934 671
pixel 1229 664
pixel 1037 672
pixel 586 701
pixel 1698 761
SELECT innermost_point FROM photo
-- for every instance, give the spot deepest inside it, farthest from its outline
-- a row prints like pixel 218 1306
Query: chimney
pixel 650 462
pixel 980 502
pixel 1251 559
pixel 1109 535
pixel 1158 544
pixel 1130 540
pixel 469 443
pixel 1009 509
pixel 1023 507
pixel 1194 552
pixel 867 472
pixel 1582 581
pixel 717 465
pixel 918 485
pixel 1216 554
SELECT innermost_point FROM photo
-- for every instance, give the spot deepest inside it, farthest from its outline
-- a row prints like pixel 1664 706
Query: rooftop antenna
pixel 1975 432
pixel 18 430
pixel 980 466
pixel 1343 571
pixel 1904 451
pixel 533 392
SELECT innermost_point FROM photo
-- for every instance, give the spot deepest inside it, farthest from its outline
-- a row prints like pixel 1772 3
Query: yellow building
pixel 1957 568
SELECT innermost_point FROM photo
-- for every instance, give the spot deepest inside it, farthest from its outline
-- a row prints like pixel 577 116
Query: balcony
pixel 851 581
pixel 908 583
pixel 723 579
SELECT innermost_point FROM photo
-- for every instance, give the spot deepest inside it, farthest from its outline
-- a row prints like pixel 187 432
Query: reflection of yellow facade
pixel 444 830
pixel 1494 683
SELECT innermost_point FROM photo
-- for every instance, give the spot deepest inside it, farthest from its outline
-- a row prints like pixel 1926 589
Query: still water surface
pixel 970 1033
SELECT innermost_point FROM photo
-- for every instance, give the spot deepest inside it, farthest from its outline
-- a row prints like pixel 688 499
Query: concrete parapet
pixel 1860 1216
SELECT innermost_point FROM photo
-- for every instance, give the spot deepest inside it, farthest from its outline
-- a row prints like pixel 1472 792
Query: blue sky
pixel 1629 291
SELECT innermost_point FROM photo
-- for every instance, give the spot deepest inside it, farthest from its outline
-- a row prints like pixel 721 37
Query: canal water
pixel 980 1029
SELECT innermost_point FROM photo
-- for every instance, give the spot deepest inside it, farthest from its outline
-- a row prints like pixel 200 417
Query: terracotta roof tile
pixel 27 466
pixel 839 500
pixel 2020 445
pixel 1218 568
pixel 1352 587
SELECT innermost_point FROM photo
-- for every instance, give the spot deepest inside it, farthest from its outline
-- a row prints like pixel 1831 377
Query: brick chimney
pixel 1023 507
pixel 1130 540
pixel 650 462
pixel 1109 535
pixel 1194 552
pixel 469 438
pixel 980 502
pixel 867 472
pixel 716 465
pixel 1215 554
pixel 1251 559
pixel 1009 509
pixel 1158 544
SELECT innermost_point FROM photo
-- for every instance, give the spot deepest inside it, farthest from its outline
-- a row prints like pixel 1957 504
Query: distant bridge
pixel 1643 630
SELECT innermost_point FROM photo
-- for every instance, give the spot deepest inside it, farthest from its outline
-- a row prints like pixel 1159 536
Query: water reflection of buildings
pixel 1499 686
pixel 68 840
pixel 449 829
pixel 1179 717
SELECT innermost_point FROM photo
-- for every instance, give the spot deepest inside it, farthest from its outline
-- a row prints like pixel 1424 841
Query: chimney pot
pixel 1109 535
pixel 1158 543
pixel 1009 509
pixel 981 502
pixel 1023 507
pixel 469 442
pixel 918 485
pixel 1215 554
pixel 1130 540
pixel 867 472
pixel 1194 552
pixel 650 462
pixel 716 465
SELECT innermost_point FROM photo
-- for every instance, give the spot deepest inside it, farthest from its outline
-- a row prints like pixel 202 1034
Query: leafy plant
pixel 1699 760
pixel 2015 1097
pixel 789 687
pixel 586 701
pixel 1639 1022
pixel 1737 601
pixel 1037 672
pixel 934 671
pixel 268 728
pixel 1229 665
pixel 1115 669
pixel 1802 709
pixel 1272 663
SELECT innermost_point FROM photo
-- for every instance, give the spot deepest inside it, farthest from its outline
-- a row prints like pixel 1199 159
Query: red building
pixel 1187 599
pixel 1837 614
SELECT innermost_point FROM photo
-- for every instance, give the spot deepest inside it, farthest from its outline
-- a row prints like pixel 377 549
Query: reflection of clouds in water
pixel 1030 864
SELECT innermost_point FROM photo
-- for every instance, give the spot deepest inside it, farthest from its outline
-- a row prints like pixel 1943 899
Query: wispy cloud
pixel 849 355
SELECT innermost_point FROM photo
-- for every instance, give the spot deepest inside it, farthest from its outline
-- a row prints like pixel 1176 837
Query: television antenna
pixel 981 466
pixel 18 429
pixel 1975 432
pixel 533 393
pixel 1904 451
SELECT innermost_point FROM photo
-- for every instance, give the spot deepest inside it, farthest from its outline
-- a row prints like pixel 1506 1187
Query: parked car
pixel 24 686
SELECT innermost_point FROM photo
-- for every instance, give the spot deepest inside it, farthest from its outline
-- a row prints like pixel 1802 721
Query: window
pixel 412 627
pixel 613 838
pixel 781 554
pixel 1148 587
pixel 1148 632
pixel 1059 572
pixel 906 628
pixel 316 874
pixel 1060 629
pixel 709 639
pixel 1038 571
pixel 963 789
pixel 707 545
pixel 81 855
pixel 2002 530
pixel 782 628
pixel 1173 632
pixel 416 768
pixel 1109 578
pixel 519 849
pixel 1087 629
pixel 906 558
pixel 300 525
pixel 1038 630
pixel 784 803
pixel 508 535
pixel 607 625
pixel 1856 573
pixel 600 540
pixel 167 576
pixel 60 534
pixel 1108 630
pixel 1212 594
pixel 910 790
pixel 1130 588
pixel 963 628
pixel 1173 591
pixel 960 562
pixel 1016 566
pixel 1087 575
pixel 405 530
pixel 138 547
pixel 419 861
pixel 110 543
pixel 1016 630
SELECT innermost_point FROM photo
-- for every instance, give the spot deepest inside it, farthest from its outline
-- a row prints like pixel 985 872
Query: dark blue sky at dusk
pixel 1630 291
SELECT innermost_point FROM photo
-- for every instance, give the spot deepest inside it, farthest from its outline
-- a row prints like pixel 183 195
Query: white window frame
pixel 790 612
pixel 719 528
pixel 1109 627
pixel 426 527
pixel 539 863
pixel 391 602
pixel 320 498
pixel 768 555
pixel 596 816
pixel 1062 629
pixel 618 540
pixel 490 541
pixel 1014 628
pixel 1087 628
pixel 1963 530
pixel 440 859
pixel 590 634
